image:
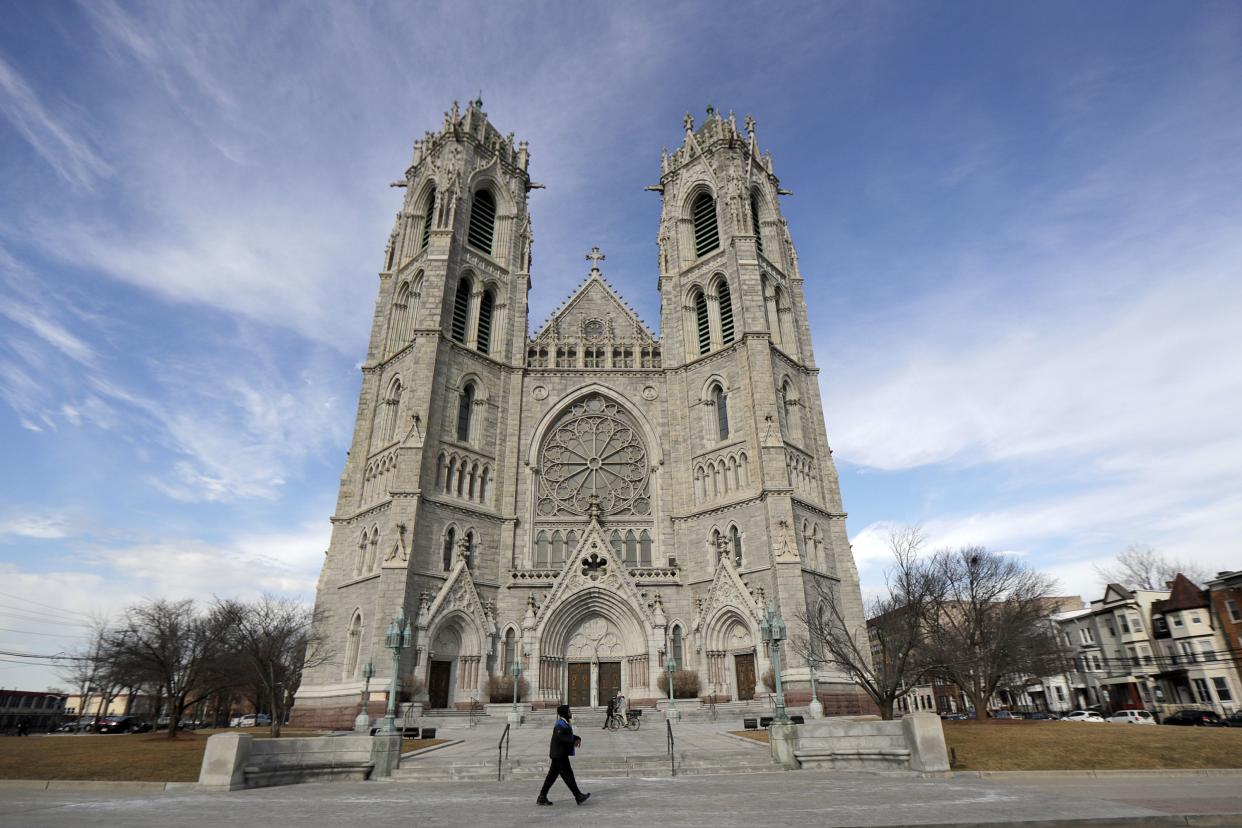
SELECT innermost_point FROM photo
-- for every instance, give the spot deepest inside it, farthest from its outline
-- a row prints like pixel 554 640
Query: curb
pixel 92 785
pixel 1160 820
pixel 1101 774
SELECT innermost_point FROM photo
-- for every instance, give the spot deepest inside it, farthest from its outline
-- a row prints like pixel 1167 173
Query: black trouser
pixel 560 767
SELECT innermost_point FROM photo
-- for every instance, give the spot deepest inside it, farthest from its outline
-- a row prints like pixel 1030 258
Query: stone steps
pixel 595 767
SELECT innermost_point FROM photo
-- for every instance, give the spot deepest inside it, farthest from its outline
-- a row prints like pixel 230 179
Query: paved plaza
pixel 771 799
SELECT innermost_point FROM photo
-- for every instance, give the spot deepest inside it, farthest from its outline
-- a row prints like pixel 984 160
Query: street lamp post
pixel 773 630
pixel 362 724
pixel 671 667
pixel 816 710
pixel 515 670
pixel 398 639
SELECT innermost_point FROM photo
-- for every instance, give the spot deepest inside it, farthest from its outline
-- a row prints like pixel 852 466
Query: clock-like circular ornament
pixel 593 330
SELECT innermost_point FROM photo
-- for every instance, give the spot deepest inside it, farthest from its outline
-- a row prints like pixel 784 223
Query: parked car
pixel 1043 715
pixel 1132 717
pixel 1006 714
pixel 123 724
pixel 254 720
pixel 82 724
pixel 1234 719
pixel 1082 716
pixel 1196 718
pixel 956 717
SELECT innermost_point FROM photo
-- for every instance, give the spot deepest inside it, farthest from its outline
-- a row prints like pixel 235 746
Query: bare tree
pixel 92 670
pixel 275 640
pixel 175 646
pixel 884 658
pixel 990 621
pixel 1143 567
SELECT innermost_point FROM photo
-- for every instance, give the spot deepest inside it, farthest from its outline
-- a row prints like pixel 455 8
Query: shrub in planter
pixel 409 688
pixel 500 689
pixel 685 684
pixel 769 678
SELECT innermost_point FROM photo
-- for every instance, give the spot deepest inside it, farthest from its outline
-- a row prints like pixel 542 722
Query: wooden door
pixel 609 681
pixel 438 684
pixel 744 666
pixel 580 684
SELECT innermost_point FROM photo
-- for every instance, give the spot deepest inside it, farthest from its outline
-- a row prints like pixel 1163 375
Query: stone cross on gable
pixel 750 126
pixel 595 257
pixel 688 122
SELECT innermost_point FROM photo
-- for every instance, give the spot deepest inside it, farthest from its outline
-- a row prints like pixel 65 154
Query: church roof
pixel 594 281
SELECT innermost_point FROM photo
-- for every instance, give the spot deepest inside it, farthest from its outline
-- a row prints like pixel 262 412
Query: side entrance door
pixel 438 684
pixel 744 665
pixel 579 684
pixel 609 681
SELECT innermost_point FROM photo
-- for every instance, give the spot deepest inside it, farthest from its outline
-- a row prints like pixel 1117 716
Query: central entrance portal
pixel 438 684
pixel 744 665
pixel 579 684
pixel 609 681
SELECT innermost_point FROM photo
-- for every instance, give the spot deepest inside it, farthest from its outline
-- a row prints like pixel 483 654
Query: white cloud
pixel 46 526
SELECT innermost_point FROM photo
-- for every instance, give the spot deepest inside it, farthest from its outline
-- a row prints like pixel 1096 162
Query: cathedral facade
pixel 590 499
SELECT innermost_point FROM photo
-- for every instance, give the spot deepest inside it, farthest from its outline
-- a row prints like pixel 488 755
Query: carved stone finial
pixel 688 122
pixel 750 125
pixel 455 112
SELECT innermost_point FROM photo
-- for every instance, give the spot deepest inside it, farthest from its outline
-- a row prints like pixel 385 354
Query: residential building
pixel 1196 665
pixel 41 711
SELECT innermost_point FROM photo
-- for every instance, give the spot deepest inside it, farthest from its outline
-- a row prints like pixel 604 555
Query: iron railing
pixel 502 752
pixel 672 761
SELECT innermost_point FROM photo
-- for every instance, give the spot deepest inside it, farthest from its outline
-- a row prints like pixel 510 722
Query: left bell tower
pixel 424 481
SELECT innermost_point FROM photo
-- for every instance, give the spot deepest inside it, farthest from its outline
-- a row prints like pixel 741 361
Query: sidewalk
pixel 778 799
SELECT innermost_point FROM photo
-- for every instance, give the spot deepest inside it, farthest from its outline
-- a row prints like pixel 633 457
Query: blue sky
pixel 1019 226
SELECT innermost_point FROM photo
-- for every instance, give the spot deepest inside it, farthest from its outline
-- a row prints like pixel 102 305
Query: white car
pixel 1082 716
pixel 1132 717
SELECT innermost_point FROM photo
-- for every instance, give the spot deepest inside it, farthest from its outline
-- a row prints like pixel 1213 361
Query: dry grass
pixel 408 745
pixel 137 757
pixel 753 735
pixel 1034 745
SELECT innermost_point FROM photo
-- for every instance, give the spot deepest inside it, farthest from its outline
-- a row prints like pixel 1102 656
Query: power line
pixel 45 606
pixel 46 635
pixel 34 619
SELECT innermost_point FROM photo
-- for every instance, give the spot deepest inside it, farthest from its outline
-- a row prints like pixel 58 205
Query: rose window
pixel 594 458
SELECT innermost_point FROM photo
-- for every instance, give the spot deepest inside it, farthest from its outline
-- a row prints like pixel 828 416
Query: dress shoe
pixel 582 798
pixel 543 800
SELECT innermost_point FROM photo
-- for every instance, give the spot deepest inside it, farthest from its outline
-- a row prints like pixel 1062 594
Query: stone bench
pixel 266 777
pixel 854 758
pixel 915 742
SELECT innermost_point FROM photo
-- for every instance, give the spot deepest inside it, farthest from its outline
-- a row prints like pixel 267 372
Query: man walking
pixel 561 748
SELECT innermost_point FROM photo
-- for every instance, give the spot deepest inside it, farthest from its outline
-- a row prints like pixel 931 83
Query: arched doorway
pixel 732 661
pixel 592 647
pixel 453 661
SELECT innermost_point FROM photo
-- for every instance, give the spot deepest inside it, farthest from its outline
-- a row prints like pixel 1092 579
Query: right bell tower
pixel 762 490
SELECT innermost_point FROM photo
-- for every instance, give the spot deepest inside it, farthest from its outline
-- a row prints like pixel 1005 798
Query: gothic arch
pixel 655 451
pixel 578 608
pixel 353 644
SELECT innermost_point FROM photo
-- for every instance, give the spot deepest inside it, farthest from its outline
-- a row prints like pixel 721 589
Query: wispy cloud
pixel 51 136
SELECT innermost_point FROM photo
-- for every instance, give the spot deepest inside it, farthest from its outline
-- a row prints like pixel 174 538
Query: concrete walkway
pixel 777 799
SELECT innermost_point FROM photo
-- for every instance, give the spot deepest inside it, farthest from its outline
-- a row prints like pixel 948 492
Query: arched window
pixel 618 545
pixel 399 319
pixel 465 409
pixel 487 303
pixel 484 480
pixel 706 233
pixel 470 483
pixel 482 221
pixel 461 309
pixel 373 551
pixel 789 412
pixel 718 543
pixel 725 301
pixel 644 548
pixel 427 217
pixel 754 221
pixel 676 647
pixel 469 539
pixel 631 548
pixel 736 543
pixel 510 649
pixel 571 542
pixel 558 550
pixel 353 645
pixel 392 410
pixel 450 538
pixel 702 324
pixel 541 550
pixel 771 304
pixel 361 561
pixel 720 400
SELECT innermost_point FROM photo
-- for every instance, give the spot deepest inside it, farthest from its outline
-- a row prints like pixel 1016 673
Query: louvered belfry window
pixel 725 301
pixel 431 209
pixel 486 303
pixel 701 320
pixel 706 233
pixel 754 220
pixel 461 310
pixel 482 221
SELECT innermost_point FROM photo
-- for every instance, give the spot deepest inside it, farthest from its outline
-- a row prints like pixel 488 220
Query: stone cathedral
pixel 588 499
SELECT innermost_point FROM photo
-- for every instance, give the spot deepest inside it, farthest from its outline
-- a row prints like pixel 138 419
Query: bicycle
pixel 633 720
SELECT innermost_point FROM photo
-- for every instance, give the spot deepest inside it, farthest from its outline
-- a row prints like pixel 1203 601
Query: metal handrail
pixel 502 751
pixel 672 764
